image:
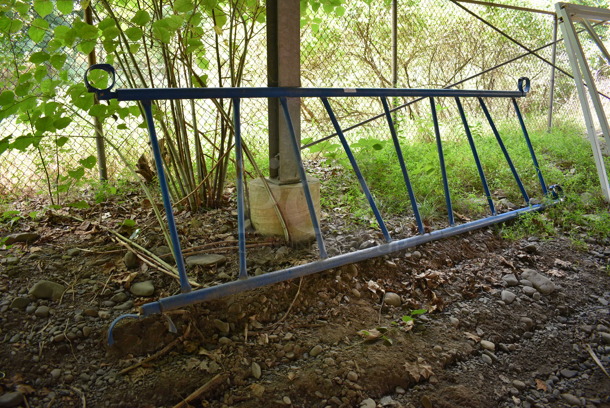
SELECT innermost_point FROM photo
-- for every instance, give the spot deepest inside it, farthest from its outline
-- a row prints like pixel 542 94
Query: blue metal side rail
pixel 245 281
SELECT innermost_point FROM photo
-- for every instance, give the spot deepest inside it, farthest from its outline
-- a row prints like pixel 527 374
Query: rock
pixel 73 252
pixel 11 399
pixel 131 260
pixel 55 373
pixel 387 401
pixel 42 311
pixel 45 289
pixel 120 297
pixel 488 345
pixel 525 282
pixel 367 244
pixel 571 399
pixel 161 251
pixel 529 291
pixel 510 279
pixel 486 359
pixel 605 337
pixel 531 248
pixel 508 297
pixel 352 376
pixel 568 373
pixel 21 237
pixel 315 351
pixel 206 260
pixel 90 311
pixel 286 400
pixel 368 403
pixel 543 284
pixel 257 390
pixel 529 323
pixel 256 370
pixel 223 327
pixel 520 385
pixel 20 303
pixel 10 260
pixel 124 306
pixel 455 322
pixel 392 299
pixel 145 288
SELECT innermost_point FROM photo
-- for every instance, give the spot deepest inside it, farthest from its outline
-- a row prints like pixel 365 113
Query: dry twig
pixel 211 384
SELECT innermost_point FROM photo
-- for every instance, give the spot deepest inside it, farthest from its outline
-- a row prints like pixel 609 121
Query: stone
pixel 316 350
pixel 571 399
pixel 605 337
pixel 486 359
pixel 510 279
pixel 10 260
pixel 508 297
pixel 131 260
pixel 206 260
pixel 542 283
pixel 520 385
pixel 256 370
pixel 352 376
pixel 120 297
pixel 45 289
pixel 368 403
pixel 42 311
pixel 11 399
pixel 529 291
pixel 55 373
pixel 223 327
pixel 531 248
pixel 286 400
pixel 73 252
pixel 488 345
pixel 90 311
pixel 124 306
pixel 20 303
pixel 392 299
pixel 145 288
pixel 21 237
pixel 387 401
pixel 529 323
pixel 568 373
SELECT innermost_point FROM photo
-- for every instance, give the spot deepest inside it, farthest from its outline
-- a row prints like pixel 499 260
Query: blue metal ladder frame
pixel 246 282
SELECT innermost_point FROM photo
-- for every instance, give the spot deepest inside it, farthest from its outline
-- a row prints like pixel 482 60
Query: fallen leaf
pixel 25 389
pixel 370 335
pixel 541 385
pixel 418 371
pixel 473 337
pixel 374 286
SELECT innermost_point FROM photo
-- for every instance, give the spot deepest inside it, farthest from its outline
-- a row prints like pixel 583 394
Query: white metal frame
pixel 569 14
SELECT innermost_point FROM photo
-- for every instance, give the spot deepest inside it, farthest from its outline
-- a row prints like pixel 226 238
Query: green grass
pixel 564 156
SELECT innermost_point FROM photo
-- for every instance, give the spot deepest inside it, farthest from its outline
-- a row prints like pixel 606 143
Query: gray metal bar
pixel 239 164
pixel 230 288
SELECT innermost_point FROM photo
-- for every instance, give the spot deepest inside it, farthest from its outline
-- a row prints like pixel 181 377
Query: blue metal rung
pixel 441 159
pixel 356 168
pixel 476 156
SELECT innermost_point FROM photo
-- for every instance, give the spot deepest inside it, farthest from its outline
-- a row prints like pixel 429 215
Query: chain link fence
pixel 439 43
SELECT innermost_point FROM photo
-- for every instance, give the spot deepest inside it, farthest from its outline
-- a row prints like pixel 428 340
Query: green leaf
pixel 37 30
pixel 7 97
pixel 23 142
pixel 86 46
pixel 161 33
pixel 134 33
pixel 183 6
pixel 418 312
pixel 23 89
pixel 77 174
pixel 10 26
pixel 4 144
pixel 58 60
pixel 65 6
pixel 111 33
pixel 89 162
pixel 44 124
pixel 61 141
pixel 62 123
pixel 97 110
pixel 407 319
pixel 141 18
pixel 79 204
pixel 339 11
pixel 43 7
pixel 22 8
pixel 39 57
pixel 86 31
pixel 129 223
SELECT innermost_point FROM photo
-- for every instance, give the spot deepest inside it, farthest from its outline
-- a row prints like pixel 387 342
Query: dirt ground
pixel 342 338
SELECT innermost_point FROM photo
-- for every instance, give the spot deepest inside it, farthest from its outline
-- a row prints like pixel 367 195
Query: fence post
pixel 552 85
pixel 97 124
